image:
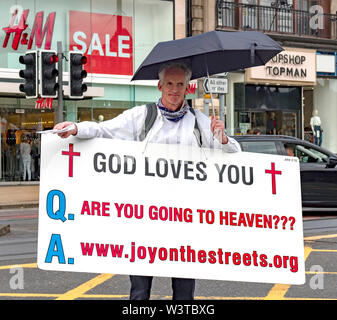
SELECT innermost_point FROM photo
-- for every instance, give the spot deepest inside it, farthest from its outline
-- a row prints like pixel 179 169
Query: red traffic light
pixel 48 74
pixel 50 58
pixel 84 60
pixel 78 59
pixel 54 58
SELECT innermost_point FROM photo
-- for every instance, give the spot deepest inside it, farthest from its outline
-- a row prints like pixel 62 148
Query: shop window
pixel 98 114
pixel 270 109
pixel 20 144
pixel 274 123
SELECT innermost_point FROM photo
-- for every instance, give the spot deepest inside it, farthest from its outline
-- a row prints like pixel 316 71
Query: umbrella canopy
pixel 211 53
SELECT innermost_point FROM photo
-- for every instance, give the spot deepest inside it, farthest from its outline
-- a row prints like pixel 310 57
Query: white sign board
pixel 111 206
pixel 326 63
pixel 215 85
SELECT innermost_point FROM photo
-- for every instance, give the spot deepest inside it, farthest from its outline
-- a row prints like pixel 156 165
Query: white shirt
pixel 129 124
pixel 315 121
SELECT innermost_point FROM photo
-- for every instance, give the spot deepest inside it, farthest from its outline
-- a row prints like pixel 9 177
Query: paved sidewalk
pixel 19 196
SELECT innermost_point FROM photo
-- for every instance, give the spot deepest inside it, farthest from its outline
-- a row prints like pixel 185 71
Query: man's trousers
pixel 183 289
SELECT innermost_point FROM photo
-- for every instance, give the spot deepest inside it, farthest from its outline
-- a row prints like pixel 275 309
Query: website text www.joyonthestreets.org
pixel 189 255
pixel 185 253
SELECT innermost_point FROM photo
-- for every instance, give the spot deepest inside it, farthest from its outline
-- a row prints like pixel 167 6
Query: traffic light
pixel 48 74
pixel 30 87
pixel 76 75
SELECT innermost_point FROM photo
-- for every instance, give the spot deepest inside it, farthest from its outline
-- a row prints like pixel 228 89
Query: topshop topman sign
pixel 292 66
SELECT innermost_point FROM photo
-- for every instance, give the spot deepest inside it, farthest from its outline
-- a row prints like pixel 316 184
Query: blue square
pixel 70 260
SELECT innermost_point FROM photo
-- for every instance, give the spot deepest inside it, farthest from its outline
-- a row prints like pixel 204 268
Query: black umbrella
pixel 211 53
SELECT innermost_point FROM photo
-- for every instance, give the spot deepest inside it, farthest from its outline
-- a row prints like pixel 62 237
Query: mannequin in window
pixel 25 149
pixel 272 124
pixel 315 123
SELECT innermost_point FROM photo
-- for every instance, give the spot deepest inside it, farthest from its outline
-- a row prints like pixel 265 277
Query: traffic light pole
pixel 60 108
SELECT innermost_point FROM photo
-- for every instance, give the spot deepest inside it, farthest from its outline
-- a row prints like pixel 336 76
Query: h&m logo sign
pixel 18 27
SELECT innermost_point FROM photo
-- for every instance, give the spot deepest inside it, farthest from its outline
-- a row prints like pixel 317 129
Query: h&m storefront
pixel 115 36
pixel 270 100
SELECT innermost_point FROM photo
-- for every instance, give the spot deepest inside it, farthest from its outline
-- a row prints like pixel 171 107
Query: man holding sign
pixel 175 122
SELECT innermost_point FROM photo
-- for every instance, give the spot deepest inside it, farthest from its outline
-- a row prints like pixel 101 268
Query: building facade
pixel 279 98
pixel 115 36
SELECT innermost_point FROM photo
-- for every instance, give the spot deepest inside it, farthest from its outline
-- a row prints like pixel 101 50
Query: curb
pixel 19 205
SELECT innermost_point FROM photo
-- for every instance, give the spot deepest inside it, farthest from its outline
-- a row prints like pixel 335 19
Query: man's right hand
pixel 62 125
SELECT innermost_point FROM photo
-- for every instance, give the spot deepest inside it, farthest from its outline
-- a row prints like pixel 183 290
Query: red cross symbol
pixel 71 154
pixel 273 173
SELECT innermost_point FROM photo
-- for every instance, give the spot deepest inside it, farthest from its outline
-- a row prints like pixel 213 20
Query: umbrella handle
pixel 213 111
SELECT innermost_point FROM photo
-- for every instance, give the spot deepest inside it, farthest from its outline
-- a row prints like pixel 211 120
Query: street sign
pixel 215 85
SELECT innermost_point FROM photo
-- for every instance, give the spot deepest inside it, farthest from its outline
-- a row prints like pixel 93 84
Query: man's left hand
pixel 218 129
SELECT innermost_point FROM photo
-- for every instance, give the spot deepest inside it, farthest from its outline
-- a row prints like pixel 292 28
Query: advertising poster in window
pixel 106 41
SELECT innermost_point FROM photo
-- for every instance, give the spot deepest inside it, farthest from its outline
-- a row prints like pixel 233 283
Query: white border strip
pixel 92 78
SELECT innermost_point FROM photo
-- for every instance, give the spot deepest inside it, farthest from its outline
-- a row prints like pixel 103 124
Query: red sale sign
pixel 105 39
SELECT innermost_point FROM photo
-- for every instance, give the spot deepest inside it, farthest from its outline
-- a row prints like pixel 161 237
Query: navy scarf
pixel 174 116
